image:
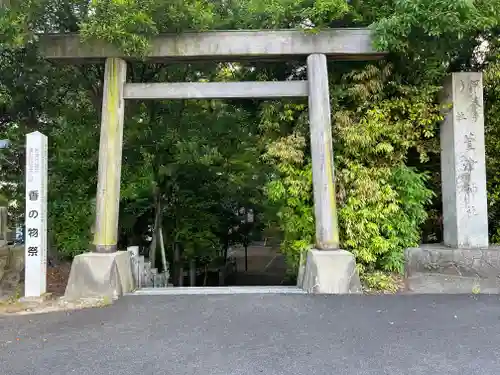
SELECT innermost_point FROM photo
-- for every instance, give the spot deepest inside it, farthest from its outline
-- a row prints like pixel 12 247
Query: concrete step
pixel 219 290
pixel 256 278
pixel 433 283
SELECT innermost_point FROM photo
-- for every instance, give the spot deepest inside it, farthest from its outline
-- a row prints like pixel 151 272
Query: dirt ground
pixel 53 300
pixel 57 278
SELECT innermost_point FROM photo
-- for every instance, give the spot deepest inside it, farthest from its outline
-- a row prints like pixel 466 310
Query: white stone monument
pixel 464 262
pixel 36 215
pixel 463 164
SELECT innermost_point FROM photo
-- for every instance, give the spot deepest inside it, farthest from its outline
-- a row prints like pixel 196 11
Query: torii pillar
pixel 110 157
pixel 328 269
pixel 106 272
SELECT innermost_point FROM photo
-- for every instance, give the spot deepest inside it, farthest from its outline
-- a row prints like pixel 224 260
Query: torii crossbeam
pixel 315 48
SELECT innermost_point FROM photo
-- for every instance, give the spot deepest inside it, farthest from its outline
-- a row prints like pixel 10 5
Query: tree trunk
pixel 246 257
pixel 192 272
pixel 205 279
pixel 152 248
pixel 181 276
pixel 162 248
pixel 179 271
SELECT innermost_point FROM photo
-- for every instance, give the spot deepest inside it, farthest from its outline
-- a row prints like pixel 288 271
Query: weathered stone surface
pixel 11 268
pixel 463 165
pixel 346 43
pixel 140 271
pixel 147 275
pixel 452 270
pixel 330 272
pixel 320 128
pixel 4 260
pixel 134 263
pixel 106 275
pixel 215 90
pixel 483 263
pixel 431 283
pixel 302 269
pixel 3 226
pixel 110 156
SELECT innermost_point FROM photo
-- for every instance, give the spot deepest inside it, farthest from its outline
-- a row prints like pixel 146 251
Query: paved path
pixel 266 266
pixel 260 334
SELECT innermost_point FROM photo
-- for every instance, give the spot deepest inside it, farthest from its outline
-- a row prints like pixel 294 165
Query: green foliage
pixel 287 13
pixel 435 21
pixel 198 162
pixel 134 22
pixel 70 221
pixel 4 201
pixel 433 37
pixel 382 214
pixel 383 202
pixel 290 193
pixel 131 29
pixel 375 281
pixel 492 137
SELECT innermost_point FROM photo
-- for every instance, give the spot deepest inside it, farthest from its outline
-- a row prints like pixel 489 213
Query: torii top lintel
pixel 341 44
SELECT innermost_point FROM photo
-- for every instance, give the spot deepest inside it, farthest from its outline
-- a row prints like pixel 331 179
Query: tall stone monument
pixel 36 215
pixel 463 164
pixel 463 262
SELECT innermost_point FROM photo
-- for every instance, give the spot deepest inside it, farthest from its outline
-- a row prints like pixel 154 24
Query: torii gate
pixel 327 270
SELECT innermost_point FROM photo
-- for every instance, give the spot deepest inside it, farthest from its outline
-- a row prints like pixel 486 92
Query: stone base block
pixel 441 269
pixel 330 272
pixel 11 269
pixel 100 275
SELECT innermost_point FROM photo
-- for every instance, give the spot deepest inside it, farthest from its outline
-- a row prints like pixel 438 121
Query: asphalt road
pixel 260 334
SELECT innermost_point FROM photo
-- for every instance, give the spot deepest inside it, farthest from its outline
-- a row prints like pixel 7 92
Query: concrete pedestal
pixel 442 269
pixel 329 272
pixel 106 275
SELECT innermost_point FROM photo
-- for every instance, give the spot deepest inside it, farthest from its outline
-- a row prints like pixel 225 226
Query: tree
pixel 192 178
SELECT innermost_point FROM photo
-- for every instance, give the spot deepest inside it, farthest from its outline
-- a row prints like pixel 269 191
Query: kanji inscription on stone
pixel 36 215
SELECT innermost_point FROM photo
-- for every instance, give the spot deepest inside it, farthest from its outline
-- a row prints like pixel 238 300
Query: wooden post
pixel 192 272
pixel 110 157
pixel 325 211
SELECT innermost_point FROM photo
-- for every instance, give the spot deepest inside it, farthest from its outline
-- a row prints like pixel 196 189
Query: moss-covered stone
pixel 11 268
